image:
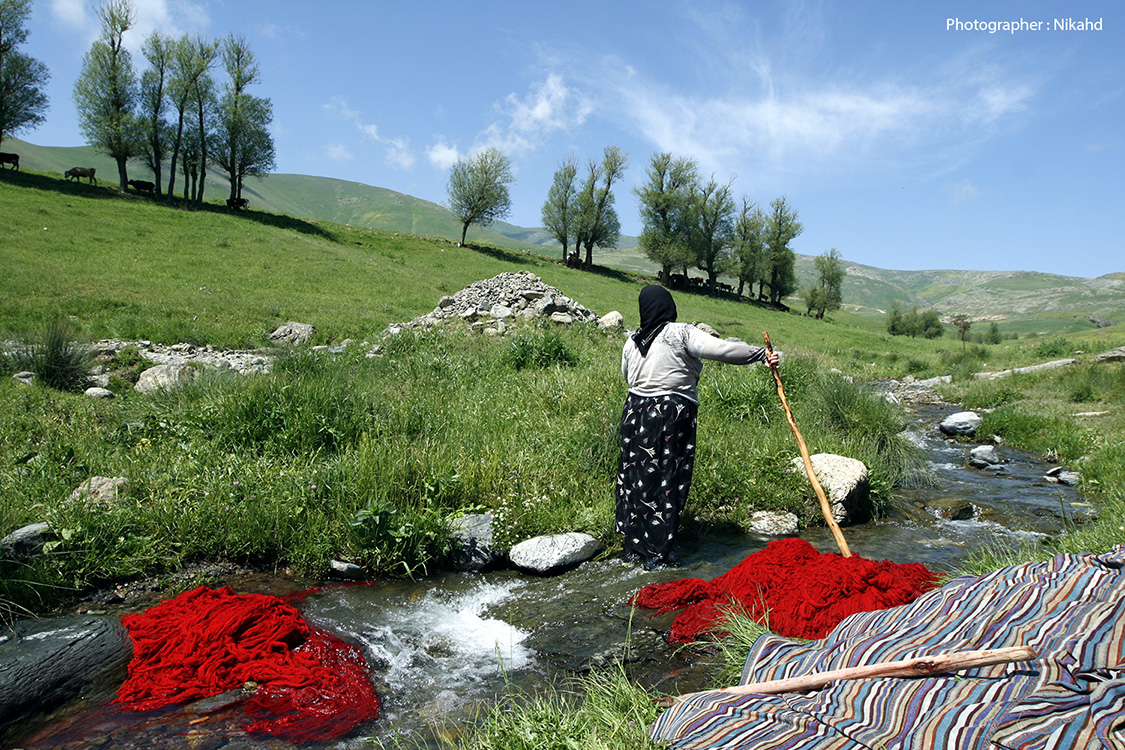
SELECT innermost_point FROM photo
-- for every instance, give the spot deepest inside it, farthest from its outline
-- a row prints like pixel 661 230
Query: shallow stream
pixel 443 646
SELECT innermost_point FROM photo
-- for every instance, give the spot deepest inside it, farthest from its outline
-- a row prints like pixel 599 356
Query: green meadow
pixel 367 458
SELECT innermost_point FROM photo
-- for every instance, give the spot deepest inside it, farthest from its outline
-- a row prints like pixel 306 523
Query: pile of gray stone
pixel 491 305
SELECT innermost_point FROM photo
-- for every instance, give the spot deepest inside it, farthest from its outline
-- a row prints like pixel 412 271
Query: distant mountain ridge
pixel 1020 301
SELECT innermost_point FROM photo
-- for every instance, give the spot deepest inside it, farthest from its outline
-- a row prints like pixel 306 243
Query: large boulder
pixel 1113 355
pixel 961 423
pixel 613 320
pixel 845 482
pixel 26 542
pixel 164 377
pixel 983 456
pixel 554 553
pixel 473 548
pixel 293 334
pixel 44 663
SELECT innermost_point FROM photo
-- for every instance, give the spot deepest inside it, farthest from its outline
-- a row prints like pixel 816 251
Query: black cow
pixel 13 159
pixel 143 186
pixel 77 173
pixel 236 203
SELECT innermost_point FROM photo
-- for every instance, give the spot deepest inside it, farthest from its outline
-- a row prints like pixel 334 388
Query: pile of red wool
pixel 796 590
pixel 312 686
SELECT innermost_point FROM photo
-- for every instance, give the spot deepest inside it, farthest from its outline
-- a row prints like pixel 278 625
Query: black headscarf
pixel 658 309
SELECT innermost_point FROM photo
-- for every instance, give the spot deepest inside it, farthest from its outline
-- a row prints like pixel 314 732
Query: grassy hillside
pixel 128 267
pixel 1021 302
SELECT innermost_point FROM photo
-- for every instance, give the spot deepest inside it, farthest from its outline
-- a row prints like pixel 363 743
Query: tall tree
pixel 598 223
pixel 826 293
pixel 665 207
pixel 242 141
pixel 478 189
pixel 781 227
pixel 105 93
pixel 749 246
pixel 23 105
pixel 559 210
pixel 202 101
pixel 189 62
pixel 714 229
pixel 158 50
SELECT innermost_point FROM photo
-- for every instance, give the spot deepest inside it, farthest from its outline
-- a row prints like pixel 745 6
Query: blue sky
pixel 902 142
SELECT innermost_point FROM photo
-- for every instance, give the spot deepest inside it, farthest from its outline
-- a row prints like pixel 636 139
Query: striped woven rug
pixel 1071 609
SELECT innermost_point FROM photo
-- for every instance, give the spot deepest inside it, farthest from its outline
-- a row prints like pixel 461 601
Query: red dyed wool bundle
pixel 802 592
pixel 312 685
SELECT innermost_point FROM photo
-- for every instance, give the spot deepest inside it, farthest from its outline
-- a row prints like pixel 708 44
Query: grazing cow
pixel 77 173
pixel 236 203
pixel 574 260
pixel 13 159
pixel 143 186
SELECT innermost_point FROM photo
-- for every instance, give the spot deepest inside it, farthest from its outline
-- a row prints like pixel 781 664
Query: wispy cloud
pixel 775 111
pixel 529 121
pixel 171 18
pixel 338 152
pixel 963 191
pixel 398 151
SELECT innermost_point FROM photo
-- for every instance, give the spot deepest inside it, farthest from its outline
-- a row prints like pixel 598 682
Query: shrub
pixel 539 350
pixel 1059 347
pixel 56 358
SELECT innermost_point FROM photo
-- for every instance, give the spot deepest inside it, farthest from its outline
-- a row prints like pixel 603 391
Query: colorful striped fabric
pixel 1071 609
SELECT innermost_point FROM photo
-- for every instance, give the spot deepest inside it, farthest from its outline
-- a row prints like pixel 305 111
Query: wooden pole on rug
pixel 825 506
pixel 922 666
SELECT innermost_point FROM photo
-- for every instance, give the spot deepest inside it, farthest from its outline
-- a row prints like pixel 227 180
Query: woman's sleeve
pixel 731 351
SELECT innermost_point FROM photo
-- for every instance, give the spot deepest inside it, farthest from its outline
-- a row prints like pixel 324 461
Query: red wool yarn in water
pixel 312 686
pixel 800 591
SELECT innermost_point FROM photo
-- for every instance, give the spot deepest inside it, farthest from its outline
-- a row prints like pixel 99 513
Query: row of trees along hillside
pixel 174 114
pixel 688 222
pixel 691 222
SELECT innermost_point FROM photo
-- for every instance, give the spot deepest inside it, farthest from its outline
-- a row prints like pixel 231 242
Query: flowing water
pixel 442 646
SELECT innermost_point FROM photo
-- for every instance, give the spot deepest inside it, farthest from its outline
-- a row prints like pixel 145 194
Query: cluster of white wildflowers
pixel 516 517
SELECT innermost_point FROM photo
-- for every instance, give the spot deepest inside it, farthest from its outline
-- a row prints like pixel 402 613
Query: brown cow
pixel 78 173
pixel 13 159
pixel 143 186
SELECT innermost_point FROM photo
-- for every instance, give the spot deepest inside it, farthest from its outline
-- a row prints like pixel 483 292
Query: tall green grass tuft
pixel 602 711
pixel 55 355
pixel 538 348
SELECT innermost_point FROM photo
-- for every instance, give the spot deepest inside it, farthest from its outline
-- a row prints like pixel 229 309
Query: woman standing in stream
pixel 661 363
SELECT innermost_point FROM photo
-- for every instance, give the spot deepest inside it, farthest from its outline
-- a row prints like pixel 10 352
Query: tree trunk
pixel 122 173
pixel 175 155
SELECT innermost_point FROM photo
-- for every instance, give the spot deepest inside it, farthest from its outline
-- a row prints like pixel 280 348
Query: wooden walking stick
pixel 922 666
pixel 825 506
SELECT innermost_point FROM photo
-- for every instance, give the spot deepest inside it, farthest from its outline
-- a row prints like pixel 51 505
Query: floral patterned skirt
pixel 654 472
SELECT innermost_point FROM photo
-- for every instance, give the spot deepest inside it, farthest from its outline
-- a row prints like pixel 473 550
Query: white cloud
pixel 530 121
pixel 173 18
pixel 399 153
pixel 806 124
pixel 338 152
pixel 442 155
pixel 963 191
pixel 70 12
pixel 398 149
